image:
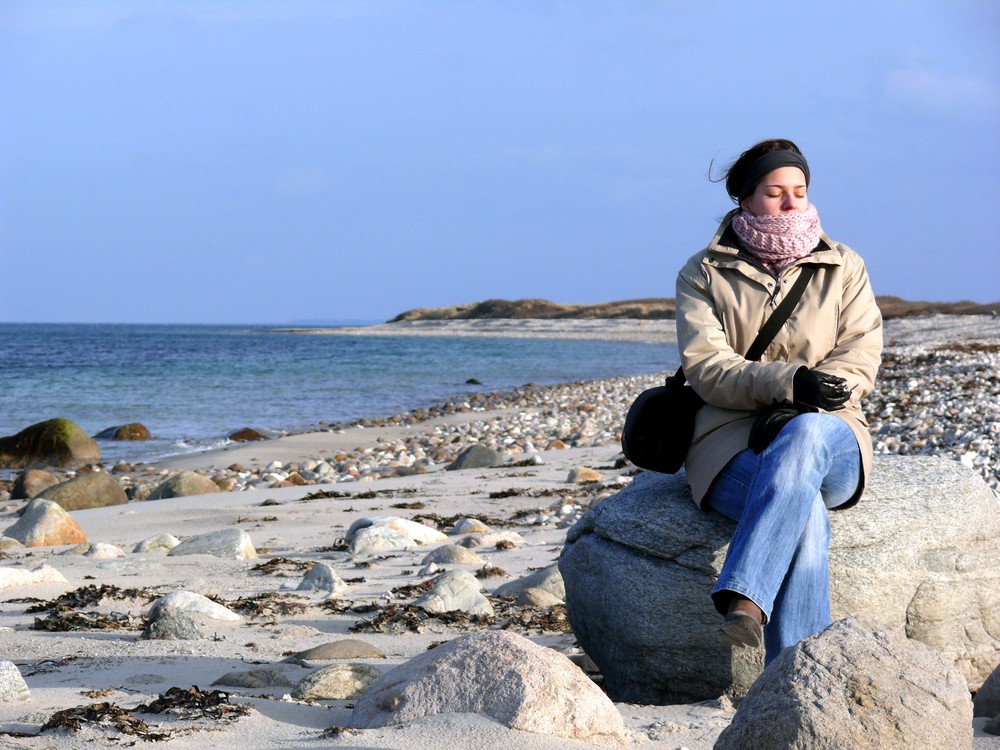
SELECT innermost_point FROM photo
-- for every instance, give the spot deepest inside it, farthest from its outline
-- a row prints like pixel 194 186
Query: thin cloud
pixel 917 86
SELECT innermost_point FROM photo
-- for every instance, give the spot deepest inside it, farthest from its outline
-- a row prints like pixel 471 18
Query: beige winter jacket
pixel 724 297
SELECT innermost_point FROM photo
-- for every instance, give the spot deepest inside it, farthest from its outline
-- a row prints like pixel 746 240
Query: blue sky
pixel 271 162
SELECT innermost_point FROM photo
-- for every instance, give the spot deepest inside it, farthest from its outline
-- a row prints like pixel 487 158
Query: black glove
pixel 817 389
pixel 768 424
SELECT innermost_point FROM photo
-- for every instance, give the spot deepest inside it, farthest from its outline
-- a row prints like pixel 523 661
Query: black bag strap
pixel 777 319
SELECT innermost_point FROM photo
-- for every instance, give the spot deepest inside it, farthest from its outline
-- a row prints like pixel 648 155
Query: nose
pixel 788 202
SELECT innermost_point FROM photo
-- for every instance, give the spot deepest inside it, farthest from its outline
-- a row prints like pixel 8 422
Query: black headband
pixel 764 164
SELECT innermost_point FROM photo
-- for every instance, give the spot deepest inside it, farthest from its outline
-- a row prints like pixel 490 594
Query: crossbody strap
pixel 770 328
pixel 777 319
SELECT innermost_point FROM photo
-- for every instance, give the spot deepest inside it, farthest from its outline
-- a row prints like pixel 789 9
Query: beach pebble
pixel 548 579
pixel 254 678
pixel 170 623
pixel 367 535
pixel 476 457
pixel 337 682
pixel 6 543
pixel 532 597
pixel 185 484
pixel 96 550
pixel 193 604
pixel 452 554
pixel 45 524
pixel 13 688
pixel 501 675
pixel 469 526
pixel 456 590
pixel 24 576
pixel 347 648
pixel 855 681
pixel 323 577
pixel 159 543
pixel 499 539
pixel 231 543
pixel 584 475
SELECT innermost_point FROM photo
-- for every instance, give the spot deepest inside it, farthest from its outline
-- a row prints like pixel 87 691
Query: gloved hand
pixel 768 424
pixel 817 389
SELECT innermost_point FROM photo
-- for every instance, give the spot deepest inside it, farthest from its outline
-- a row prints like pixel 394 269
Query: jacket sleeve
pixel 857 353
pixel 717 372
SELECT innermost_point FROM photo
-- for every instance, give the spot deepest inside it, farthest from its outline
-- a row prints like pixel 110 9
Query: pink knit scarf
pixel 779 240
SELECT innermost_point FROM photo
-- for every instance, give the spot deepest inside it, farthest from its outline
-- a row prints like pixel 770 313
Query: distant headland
pixel 651 308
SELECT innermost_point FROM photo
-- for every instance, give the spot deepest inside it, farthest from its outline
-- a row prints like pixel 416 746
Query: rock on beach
pixel 856 685
pixel 919 552
pixel 501 675
pixel 45 524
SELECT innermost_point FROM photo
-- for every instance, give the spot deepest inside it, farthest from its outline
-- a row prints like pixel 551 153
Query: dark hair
pixel 736 174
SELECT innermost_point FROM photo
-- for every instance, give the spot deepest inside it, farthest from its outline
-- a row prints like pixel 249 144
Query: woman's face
pixel 782 191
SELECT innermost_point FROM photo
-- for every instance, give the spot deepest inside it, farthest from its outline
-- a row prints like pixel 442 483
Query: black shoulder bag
pixel 659 425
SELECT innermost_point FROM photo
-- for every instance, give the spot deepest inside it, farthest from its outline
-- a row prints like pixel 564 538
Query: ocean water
pixel 193 385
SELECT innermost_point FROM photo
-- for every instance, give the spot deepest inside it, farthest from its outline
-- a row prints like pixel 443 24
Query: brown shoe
pixel 744 624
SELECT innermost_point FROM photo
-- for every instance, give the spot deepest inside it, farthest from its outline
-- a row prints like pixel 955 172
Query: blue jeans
pixel 778 556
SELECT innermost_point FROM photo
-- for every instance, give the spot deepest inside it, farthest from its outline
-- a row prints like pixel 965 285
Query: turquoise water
pixel 193 385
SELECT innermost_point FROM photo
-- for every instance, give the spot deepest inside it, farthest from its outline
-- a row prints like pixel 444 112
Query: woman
pixel 783 439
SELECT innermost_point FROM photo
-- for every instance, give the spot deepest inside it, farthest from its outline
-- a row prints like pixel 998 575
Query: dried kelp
pixel 406 617
pixel 194 703
pixel 104 715
pixel 89 596
pixel 281 566
pixel 267 604
pixel 64 621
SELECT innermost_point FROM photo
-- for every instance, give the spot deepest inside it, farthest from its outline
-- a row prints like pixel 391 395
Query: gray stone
pixel 96 489
pixel 169 623
pixel 323 577
pixel 452 554
pixel 231 543
pixel 547 579
pixel 987 701
pixel 856 685
pixel 30 482
pixel 492 539
pixel 193 604
pixel 476 457
pixel 159 543
pixel 13 688
pixel 371 535
pixel 501 675
pixel 337 682
pixel 254 678
pixel 918 552
pixel 185 484
pixel 531 597
pixel 456 590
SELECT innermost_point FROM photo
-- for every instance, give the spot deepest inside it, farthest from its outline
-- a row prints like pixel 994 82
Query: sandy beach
pixel 297 497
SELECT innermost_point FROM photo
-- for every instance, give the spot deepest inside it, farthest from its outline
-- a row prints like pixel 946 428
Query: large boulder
pixel 55 442
pixel 96 489
pixel 185 484
pixel 857 684
pixel 919 552
pixel 45 524
pixel 130 431
pixel 501 675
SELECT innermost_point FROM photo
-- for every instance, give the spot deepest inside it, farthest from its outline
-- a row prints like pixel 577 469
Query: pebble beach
pixel 308 498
